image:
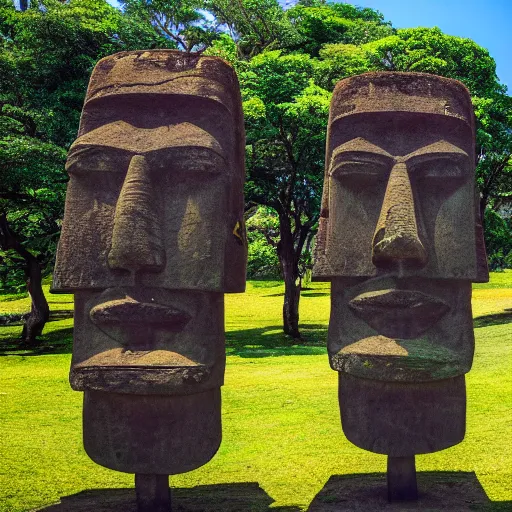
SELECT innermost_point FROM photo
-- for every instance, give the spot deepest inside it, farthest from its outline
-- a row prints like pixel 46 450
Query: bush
pixel 498 240
pixel 263 262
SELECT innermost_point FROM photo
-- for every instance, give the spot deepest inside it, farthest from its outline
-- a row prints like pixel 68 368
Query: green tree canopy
pixel 494 151
pixel 288 62
pixel 254 25
pixel 335 23
pixel 46 56
pixel 181 21
pixel 286 115
pixel 428 50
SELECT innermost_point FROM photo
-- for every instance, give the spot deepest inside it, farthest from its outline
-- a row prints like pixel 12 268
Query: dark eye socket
pixel 83 163
pixel 441 170
pixel 359 172
pixel 191 177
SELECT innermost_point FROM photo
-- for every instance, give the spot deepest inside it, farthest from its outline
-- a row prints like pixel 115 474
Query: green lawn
pixel 282 435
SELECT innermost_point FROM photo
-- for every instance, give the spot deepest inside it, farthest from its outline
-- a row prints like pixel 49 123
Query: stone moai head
pixel 401 241
pixel 152 238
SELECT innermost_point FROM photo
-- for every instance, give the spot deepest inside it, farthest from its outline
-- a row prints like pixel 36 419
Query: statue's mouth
pixel 398 313
pixel 128 311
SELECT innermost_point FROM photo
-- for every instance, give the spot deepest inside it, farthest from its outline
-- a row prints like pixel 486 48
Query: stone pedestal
pixel 153 493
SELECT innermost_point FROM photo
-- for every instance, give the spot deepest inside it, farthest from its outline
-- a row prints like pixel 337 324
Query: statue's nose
pixel 137 242
pixel 396 237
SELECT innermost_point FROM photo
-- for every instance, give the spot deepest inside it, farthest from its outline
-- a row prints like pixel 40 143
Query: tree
pixel 498 240
pixel 254 25
pixel 181 21
pixel 262 226
pixel 428 50
pixel 320 23
pixel 286 116
pixel 46 56
pixel 494 150
pixel 39 311
pixel 340 61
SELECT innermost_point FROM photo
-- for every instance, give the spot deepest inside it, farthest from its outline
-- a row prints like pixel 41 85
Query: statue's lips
pixel 128 311
pixel 398 313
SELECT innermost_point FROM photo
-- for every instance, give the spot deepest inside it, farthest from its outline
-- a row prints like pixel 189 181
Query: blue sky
pixel 487 22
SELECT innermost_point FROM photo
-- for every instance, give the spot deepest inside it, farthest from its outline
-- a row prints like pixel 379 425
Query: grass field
pixel 282 440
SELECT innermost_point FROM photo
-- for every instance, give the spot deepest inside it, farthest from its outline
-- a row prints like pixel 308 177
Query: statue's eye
pixel 353 172
pixel 198 178
pixel 88 160
pixel 441 169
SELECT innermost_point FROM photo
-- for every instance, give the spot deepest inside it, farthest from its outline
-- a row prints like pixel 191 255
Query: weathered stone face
pixel 401 241
pixel 170 123
pixel 398 236
pixel 153 230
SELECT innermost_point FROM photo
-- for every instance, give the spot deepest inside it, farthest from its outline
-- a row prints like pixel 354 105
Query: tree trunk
pixel 289 267
pixel 39 311
pixel 291 305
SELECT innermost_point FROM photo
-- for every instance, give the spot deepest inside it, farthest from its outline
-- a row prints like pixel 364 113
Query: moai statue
pixel 400 240
pixel 152 238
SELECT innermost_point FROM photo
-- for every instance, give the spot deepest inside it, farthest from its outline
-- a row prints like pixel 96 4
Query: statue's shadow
pixel 439 491
pixel 236 497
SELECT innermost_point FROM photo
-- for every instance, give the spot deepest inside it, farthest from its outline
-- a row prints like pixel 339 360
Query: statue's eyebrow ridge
pixel 359 149
pixel 361 145
pixel 437 150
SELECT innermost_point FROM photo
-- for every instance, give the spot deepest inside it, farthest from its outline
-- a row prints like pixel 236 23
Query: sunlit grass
pixel 281 423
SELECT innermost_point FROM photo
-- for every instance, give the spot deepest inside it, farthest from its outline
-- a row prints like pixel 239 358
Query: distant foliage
pixel 262 236
pixel 498 240
pixel 262 262
pixel 288 62
pixel 321 24
pixel 46 56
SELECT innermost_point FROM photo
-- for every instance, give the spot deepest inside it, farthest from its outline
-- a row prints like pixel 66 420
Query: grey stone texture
pixel 153 236
pixel 400 239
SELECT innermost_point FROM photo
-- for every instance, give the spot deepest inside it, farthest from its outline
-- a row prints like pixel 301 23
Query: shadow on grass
pixel 18 319
pixel 270 341
pixel 496 319
pixel 439 491
pixel 303 294
pixel 58 341
pixel 235 497
pixel 263 342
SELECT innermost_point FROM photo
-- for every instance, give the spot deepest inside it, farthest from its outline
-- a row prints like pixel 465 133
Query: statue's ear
pixel 482 270
pixel 235 257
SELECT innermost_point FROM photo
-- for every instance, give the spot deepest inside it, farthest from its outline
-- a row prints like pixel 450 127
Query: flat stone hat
pixel 160 73
pixel 401 92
